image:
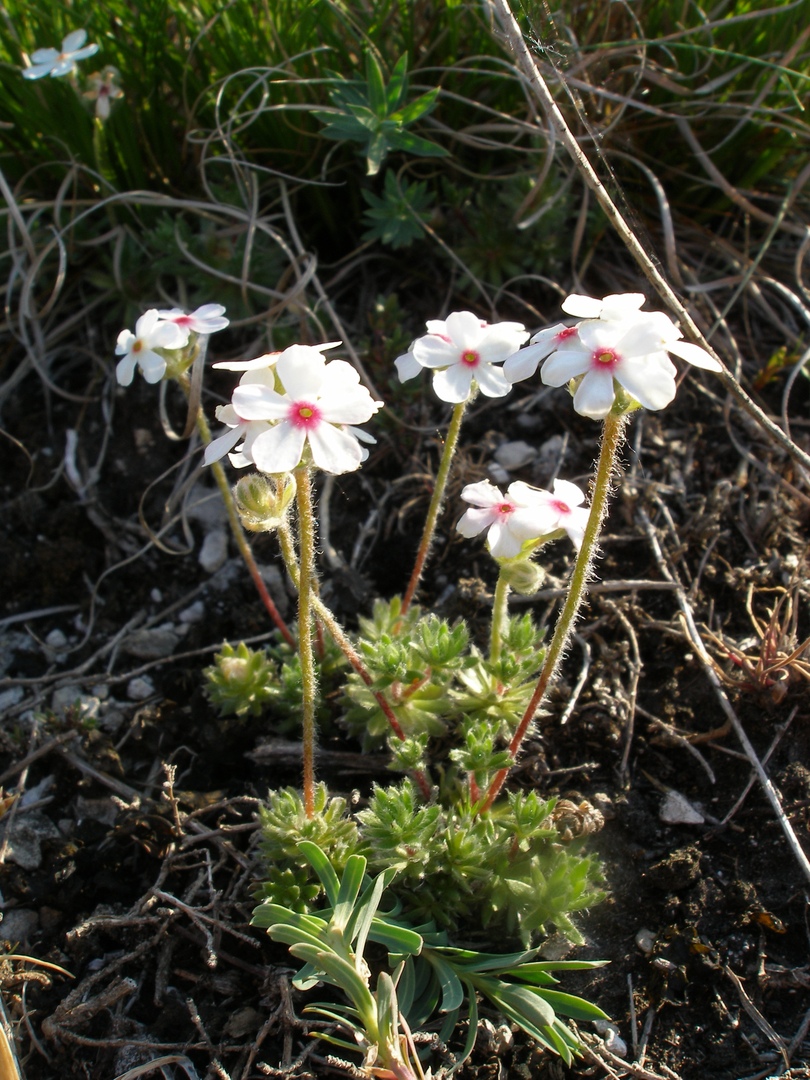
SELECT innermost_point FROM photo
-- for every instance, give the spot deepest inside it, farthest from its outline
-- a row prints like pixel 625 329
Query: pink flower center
pixel 181 320
pixel 568 332
pixel 561 507
pixel 303 414
pixel 471 358
pixel 604 358
pixel 504 509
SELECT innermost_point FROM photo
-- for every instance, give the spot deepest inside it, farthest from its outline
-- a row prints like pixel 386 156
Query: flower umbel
pixel 461 350
pixel 319 402
pixel 52 62
pixel 138 349
pixel 522 515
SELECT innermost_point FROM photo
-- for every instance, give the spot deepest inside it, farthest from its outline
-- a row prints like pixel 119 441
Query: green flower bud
pixel 523 576
pixel 262 501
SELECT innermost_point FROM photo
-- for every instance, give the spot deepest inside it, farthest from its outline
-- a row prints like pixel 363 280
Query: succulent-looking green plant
pixel 377 115
pixel 240 681
pixel 424 981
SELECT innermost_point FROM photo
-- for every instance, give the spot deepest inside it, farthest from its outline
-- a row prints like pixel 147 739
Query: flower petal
pixel 564 365
pixel 301 370
pixel 491 381
pixel 652 385
pixel 335 450
pixel 502 543
pixel 153 367
pixel 582 307
pixel 254 401
pixel 408 367
pixel 453 384
pixel 595 395
pixel 693 354
pixel 74 40
pixel 568 493
pixel 279 449
pixel 220 446
pixel 482 494
pixel 125 370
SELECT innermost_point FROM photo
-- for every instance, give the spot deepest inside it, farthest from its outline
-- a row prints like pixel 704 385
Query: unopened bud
pixel 262 501
pixel 523 576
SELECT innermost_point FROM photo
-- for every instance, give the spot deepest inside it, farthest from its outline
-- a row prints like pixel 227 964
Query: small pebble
pixel 645 940
pixel 56 639
pixel 12 696
pixel 154 644
pixel 156 596
pixel 193 614
pixel 18 924
pixel 140 689
pixel 611 1038
pixel 514 455
pixel 214 551
pixel 498 473
pixel 677 810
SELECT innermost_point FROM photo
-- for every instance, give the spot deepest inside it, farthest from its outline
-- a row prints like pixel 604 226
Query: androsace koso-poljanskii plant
pixel 449 857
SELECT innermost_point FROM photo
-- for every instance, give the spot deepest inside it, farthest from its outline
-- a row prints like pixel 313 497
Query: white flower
pixel 523 364
pixel 320 401
pixel 139 348
pixel 240 430
pixel 462 351
pixel 103 90
pixel 205 320
pixel 51 62
pixel 524 514
pixel 616 343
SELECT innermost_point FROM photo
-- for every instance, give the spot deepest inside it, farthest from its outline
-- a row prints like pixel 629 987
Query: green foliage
pixel 377 114
pixel 425 979
pixel 396 217
pixel 284 825
pixel 240 681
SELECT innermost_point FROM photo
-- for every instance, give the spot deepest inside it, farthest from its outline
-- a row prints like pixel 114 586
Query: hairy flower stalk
pixel 306 538
pixel 500 613
pixel 450 443
pixel 612 439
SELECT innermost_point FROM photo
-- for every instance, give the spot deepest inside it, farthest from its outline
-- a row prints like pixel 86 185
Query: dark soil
pixel 135 879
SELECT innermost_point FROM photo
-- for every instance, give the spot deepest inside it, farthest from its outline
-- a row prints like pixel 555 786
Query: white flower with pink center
pixel 205 320
pixel 138 349
pixel 522 516
pixel 462 352
pixel 320 403
pixel 619 345
pixel 523 364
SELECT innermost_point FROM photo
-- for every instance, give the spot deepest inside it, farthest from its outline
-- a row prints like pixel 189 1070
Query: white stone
pixel 677 810
pixel 193 614
pixel 214 551
pixel 611 1038
pixel 154 644
pixel 514 455
pixel 140 688
pixel 56 639
pixel 10 697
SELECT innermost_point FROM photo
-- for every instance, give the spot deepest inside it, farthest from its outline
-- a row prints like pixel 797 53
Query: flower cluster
pixel 293 407
pixel 616 347
pixel 462 352
pixel 55 63
pixel 524 517
pixel 167 330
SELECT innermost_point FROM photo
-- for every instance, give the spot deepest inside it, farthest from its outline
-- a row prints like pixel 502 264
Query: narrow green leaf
pixel 397 939
pixel 571 1005
pixel 376 85
pixel 398 86
pixel 353 875
pixel 322 867
pixel 364 916
pixel 449 982
pixel 417 108
pixel 340 973
pixel 413 144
